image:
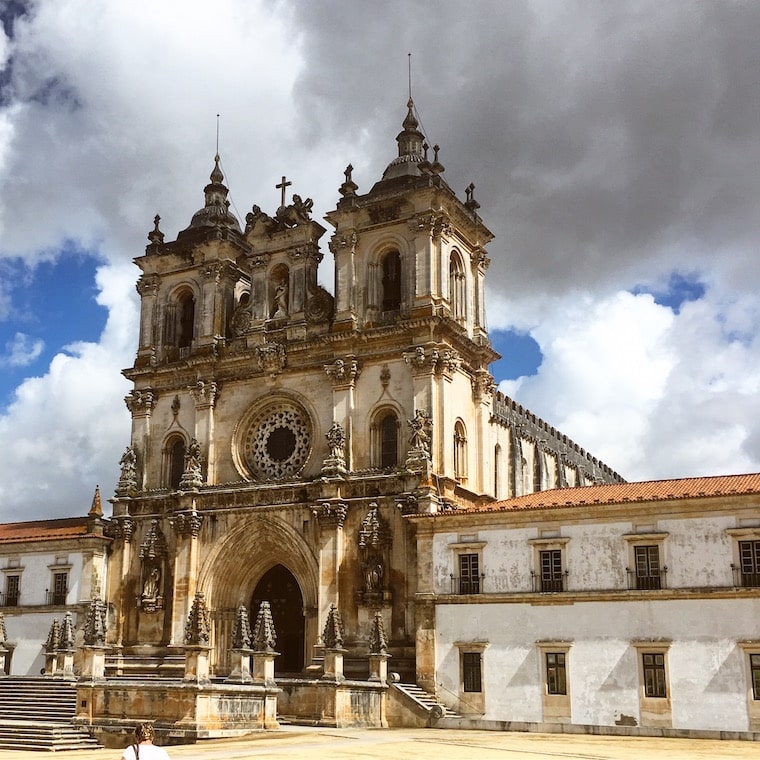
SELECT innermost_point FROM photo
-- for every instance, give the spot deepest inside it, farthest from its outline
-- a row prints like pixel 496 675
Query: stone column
pixel 483 389
pixel 343 247
pixel 344 372
pixel 424 608
pixel 205 394
pixel 140 404
pixel 147 287
pixel 187 526
pixel 331 516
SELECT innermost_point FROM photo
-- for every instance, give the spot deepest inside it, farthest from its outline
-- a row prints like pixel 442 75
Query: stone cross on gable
pixel 282 187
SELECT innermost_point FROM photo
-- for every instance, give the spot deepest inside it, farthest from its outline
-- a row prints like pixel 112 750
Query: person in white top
pixel 143 748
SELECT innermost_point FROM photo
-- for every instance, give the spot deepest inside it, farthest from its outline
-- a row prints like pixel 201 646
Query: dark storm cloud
pixel 602 137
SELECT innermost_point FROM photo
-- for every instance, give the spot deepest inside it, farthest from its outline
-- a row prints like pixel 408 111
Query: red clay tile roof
pixel 621 493
pixel 43 530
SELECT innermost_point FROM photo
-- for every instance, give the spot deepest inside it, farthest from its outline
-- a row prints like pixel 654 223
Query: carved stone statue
pixel 128 477
pixel 280 308
pixel 421 431
pixel 152 585
pixel 336 440
pixel 192 477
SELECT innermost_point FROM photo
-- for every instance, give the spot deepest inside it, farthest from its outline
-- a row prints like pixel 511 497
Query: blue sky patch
pixel 521 355
pixel 680 289
pixel 53 303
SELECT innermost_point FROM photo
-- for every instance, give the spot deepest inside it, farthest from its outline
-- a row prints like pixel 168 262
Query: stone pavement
pixel 300 743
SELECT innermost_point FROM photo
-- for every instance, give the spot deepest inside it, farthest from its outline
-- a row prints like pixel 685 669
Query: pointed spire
pixel 332 636
pixel 378 640
pixel 264 634
pixel 197 628
pixel 3 632
pixel 51 643
pixel 66 635
pixel 96 510
pixel 241 634
pixel 95 623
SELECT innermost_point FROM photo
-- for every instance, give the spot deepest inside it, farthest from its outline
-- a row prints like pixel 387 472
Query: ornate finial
pixel 155 236
pixel 264 636
pixel 51 643
pixel 216 175
pixel 436 167
pixel 95 623
pixel 66 635
pixel 470 203
pixel 241 633
pixel 349 187
pixel 378 640
pixel 3 632
pixel 96 509
pixel 197 628
pixel 332 636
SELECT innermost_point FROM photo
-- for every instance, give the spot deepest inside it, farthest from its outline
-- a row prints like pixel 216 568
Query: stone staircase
pixel 425 702
pixel 37 713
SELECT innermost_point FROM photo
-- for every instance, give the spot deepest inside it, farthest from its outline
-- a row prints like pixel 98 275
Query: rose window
pixel 277 441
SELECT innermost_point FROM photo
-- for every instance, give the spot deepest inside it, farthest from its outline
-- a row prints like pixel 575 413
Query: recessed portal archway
pixel 279 587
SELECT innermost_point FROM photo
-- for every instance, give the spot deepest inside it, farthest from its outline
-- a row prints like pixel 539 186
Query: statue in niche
pixel 241 317
pixel 373 575
pixel 151 586
pixel 280 299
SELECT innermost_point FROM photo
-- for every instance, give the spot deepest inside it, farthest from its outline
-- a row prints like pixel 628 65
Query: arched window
pixel 185 319
pixel 389 440
pixel 384 439
pixel 457 288
pixel 460 451
pixel 391 281
pixel 174 458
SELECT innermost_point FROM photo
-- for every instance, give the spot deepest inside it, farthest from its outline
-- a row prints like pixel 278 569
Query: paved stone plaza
pixel 423 744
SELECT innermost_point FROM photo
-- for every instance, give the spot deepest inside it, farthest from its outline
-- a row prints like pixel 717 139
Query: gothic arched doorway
pixel 279 587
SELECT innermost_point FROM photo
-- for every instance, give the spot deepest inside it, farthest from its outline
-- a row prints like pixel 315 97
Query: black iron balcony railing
pixel 9 600
pixel 744 578
pixel 467 584
pixel 56 598
pixel 549 583
pixel 649 582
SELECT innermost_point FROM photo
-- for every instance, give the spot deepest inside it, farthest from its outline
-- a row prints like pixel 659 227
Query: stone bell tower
pixel 410 266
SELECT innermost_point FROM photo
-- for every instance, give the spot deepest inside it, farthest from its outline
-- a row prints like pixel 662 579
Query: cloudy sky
pixel 615 149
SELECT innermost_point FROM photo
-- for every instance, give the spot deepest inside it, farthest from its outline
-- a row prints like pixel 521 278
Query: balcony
pixel 467 585
pixel 650 582
pixel 9 600
pixel 56 598
pixel 745 578
pixel 548 584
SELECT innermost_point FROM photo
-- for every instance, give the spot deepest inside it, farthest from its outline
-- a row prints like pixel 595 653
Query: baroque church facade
pixel 281 435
